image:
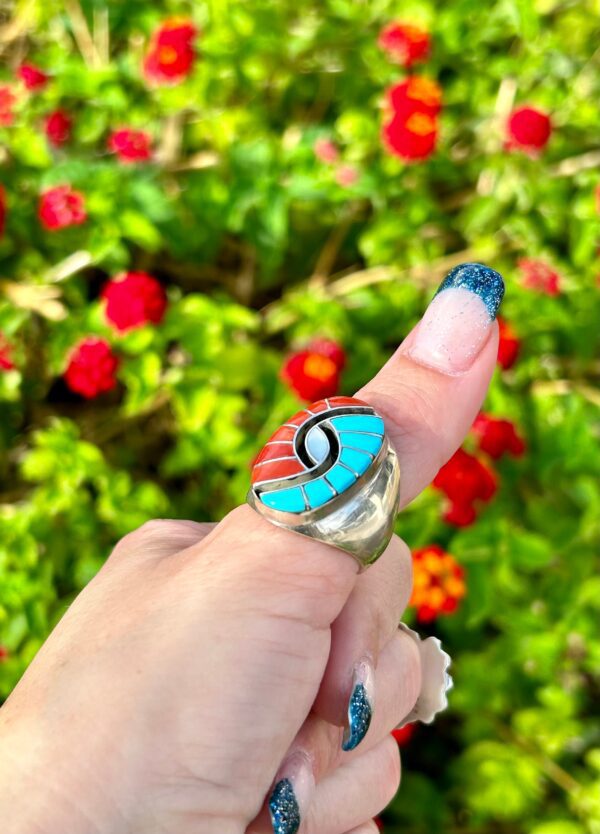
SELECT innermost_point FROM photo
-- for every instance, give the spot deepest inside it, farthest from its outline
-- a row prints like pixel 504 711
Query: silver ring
pixel 330 473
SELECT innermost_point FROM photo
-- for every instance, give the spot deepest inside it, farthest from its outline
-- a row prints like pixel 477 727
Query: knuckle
pixel 158 529
pixel 289 575
pixel 418 423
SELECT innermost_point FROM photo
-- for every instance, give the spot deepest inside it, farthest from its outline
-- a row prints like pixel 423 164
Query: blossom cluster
pixel 169 60
pixel 410 129
pixel 130 300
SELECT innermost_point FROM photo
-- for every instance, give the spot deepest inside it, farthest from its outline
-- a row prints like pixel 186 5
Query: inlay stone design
pixel 318 454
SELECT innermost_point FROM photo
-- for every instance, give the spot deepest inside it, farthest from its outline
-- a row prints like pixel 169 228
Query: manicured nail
pixel 292 794
pixel 360 705
pixel 457 323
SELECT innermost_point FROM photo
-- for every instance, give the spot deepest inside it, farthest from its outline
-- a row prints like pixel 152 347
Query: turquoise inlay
pixel 359 462
pixel 361 441
pixel 288 500
pixel 359 422
pixel 318 492
pixel 340 477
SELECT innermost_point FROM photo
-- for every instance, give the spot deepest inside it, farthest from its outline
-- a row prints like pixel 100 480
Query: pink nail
pixel 452 332
pixel 457 323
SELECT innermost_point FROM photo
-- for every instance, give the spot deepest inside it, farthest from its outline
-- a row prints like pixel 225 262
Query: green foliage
pixel 261 248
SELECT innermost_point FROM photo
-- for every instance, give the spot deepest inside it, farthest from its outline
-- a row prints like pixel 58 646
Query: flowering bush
pixel 208 218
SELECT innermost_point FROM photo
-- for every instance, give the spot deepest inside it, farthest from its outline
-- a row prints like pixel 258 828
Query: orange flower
pixel 438 583
pixel 171 55
pixel 7 101
pixel 405 43
pixel 411 139
pixel 311 375
pixel 416 93
pixel 411 128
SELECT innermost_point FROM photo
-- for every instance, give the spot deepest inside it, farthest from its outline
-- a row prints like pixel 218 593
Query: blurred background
pixel 212 212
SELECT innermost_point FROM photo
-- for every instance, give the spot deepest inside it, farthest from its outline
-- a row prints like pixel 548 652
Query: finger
pixel 397 683
pixel 365 625
pixel 316 752
pixel 357 790
pixel 431 389
pixel 161 537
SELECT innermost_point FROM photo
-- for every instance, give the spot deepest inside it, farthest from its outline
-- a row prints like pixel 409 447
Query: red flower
pixel 459 515
pixel 508 346
pixel 311 375
pixel 171 55
pixel 378 822
pixel 413 138
pixel 3 209
pixel 326 151
pixel 333 350
pixel 404 734
pixel 497 437
pixel 405 43
pixel 6 363
pixel 416 94
pixel 464 479
pixel 438 583
pixel 60 207
pixel 133 299
pixel 528 129
pixel 4 654
pixel 33 77
pixel 7 102
pixel 57 126
pixel 130 145
pixel 92 368
pixel 539 276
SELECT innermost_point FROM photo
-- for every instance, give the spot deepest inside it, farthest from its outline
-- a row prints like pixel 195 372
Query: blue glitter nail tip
pixel 477 278
pixel 360 713
pixel 283 806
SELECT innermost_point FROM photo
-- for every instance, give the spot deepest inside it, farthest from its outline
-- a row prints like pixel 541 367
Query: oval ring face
pixel 317 455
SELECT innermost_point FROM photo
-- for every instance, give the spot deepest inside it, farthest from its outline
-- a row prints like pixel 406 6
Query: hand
pixel 205 663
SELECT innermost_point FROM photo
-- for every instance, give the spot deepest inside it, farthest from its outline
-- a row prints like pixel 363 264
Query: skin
pixel 169 694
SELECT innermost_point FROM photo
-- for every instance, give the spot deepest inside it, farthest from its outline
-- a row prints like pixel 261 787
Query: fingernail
pixel 360 705
pixel 292 794
pixel 457 323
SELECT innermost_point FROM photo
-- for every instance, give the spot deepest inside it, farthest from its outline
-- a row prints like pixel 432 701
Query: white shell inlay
pixel 317 444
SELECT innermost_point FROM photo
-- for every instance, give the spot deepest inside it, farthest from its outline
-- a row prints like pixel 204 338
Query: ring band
pixel 330 473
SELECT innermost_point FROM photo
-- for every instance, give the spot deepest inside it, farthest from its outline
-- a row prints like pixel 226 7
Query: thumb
pixel 270 597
